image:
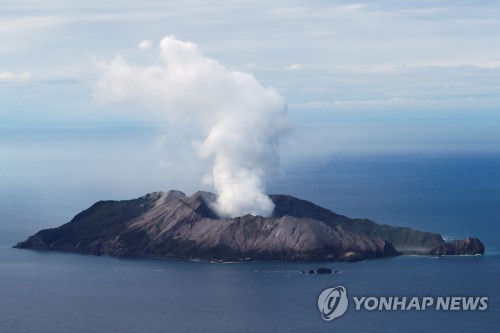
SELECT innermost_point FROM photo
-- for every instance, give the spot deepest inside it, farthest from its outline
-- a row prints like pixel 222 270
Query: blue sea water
pixel 456 194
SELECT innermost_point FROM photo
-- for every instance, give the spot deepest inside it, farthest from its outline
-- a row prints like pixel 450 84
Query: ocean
pixel 49 176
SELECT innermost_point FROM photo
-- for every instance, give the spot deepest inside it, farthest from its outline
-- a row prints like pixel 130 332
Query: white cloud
pixel 352 7
pixel 241 122
pixel 12 24
pixel 11 76
pixel 295 67
pixel 145 45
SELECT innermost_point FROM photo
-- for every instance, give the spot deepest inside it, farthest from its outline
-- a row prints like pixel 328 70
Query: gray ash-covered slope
pixel 172 225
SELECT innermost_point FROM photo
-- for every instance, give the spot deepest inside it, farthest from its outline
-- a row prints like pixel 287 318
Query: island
pixel 173 225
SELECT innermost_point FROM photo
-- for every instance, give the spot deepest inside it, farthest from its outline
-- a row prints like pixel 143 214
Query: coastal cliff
pixel 173 225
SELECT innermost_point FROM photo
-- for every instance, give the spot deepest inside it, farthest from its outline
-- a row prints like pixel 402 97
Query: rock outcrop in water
pixel 467 246
pixel 172 225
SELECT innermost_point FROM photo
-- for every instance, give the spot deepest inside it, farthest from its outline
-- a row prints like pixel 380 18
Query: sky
pixel 358 76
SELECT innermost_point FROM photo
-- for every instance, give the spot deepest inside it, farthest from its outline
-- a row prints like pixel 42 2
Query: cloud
pixel 295 67
pixel 352 7
pixel 234 120
pixel 145 45
pixel 9 25
pixel 10 76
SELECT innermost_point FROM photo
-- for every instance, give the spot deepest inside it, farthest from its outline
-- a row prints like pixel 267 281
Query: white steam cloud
pixel 242 121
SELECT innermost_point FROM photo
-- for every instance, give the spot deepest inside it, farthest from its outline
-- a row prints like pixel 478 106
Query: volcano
pixel 173 225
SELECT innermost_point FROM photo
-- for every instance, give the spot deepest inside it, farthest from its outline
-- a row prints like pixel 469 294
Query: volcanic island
pixel 173 225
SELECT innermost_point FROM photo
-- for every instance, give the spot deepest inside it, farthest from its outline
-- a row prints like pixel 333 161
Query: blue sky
pixel 349 70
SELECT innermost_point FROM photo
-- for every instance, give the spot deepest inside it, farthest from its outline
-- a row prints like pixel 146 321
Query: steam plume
pixel 241 121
